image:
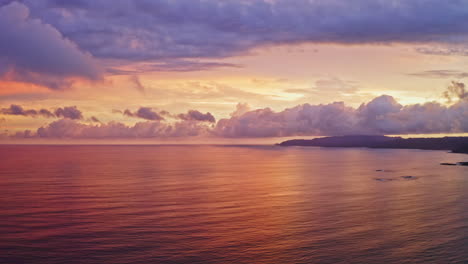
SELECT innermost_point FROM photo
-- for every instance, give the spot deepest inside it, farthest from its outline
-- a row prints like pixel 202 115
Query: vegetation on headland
pixel 454 144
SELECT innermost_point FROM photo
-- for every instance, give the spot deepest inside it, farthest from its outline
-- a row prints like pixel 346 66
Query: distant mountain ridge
pixel 456 144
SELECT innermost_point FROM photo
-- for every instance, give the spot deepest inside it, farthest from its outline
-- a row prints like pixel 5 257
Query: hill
pixel 456 144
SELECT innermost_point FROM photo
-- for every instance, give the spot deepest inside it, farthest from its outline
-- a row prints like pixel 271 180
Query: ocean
pixel 231 204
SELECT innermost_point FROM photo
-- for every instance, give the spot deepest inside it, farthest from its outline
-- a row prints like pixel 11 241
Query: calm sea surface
pixel 231 204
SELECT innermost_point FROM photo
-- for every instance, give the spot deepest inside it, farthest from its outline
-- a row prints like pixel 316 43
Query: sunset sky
pixel 231 69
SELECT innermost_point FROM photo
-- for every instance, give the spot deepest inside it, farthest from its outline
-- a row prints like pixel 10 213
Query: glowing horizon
pixel 209 71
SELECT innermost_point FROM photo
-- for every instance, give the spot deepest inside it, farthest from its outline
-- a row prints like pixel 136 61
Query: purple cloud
pixel 67 128
pixel 197 116
pixel 35 52
pixel 457 91
pixel 19 110
pixel 145 113
pixel 70 112
pixel 164 30
pixel 94 119
pixel 382 115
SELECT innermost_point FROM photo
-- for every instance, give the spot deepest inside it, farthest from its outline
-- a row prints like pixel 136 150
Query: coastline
pixel 452 144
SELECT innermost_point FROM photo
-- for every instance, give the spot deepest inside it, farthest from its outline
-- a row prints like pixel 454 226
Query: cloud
pixel 145 113
pixel 457 91
pixel 67 128
pixel 19 110
pixel 442 74
pixel 382 115
pixel 185 66
pixel 46 113
pixel 301 120
pixel 241 108
pixel 94 119
pixel 70 112
pixel 149 114
pixel 137 84
pixel 164 31
pixel 35 52
pixel 445 50
pixel 195 115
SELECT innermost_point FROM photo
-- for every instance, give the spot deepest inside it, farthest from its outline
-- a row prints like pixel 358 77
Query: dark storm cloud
pixel 35 52
pixel 197 116
pixel 165 30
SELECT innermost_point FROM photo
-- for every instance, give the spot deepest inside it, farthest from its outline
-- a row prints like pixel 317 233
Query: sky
pixel 207 70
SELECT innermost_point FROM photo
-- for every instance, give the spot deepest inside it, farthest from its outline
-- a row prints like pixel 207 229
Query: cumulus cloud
pixel 382 115
pixel 241 108
pixel 19 110
pixel 67 128
pixel 70 112
pixel 195 115
pixel 46 113
pixel 457 91
pixel 166 30
pixel 35 52
pixel 149 114
pixel 145 113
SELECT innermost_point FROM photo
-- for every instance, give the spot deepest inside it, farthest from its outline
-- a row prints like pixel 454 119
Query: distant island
pixel 454 144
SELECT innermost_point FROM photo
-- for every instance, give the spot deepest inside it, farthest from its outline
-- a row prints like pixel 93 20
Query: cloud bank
pixel 67 128
pixel 171 32
pixel 35 52
pixel 149 113
pixel 71 112
pixel 145 113
pixel 52 42
pixel 382 115
pixel 197 116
